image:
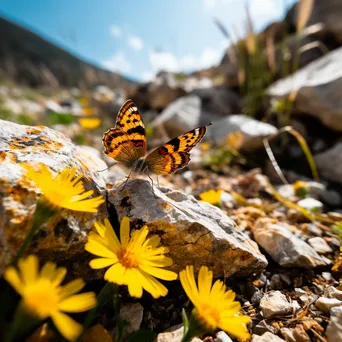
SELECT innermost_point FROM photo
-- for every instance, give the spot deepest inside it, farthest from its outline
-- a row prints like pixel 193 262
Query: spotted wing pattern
pixel 126 143
pixel 175 154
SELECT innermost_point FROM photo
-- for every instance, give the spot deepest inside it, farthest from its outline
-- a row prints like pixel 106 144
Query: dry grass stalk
pixel 270 53
pixel 304 10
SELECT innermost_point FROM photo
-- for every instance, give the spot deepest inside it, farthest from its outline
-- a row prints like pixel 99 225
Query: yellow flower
pixel 214 306
pixel 301 188
pixel 235 140
pixel 43 296
pixel 88 111
pixel 63 190
pixel 338 262
pixel 205 146
pixel 211 196
pixel 134 261
pixel 90 123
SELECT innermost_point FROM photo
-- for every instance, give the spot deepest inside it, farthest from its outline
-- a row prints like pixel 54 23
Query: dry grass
pixel 304 10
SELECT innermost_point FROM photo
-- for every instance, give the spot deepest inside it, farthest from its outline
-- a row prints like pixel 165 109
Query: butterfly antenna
pixel 107 167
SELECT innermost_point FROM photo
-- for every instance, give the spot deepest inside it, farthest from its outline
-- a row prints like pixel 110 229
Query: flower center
pixel 41 304
pixel 208 316
pixel 127 258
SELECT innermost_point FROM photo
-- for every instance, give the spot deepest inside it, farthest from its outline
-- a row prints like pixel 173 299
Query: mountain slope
pixel 27 58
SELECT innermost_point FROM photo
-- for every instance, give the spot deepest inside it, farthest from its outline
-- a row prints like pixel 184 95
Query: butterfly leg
pixel 128 177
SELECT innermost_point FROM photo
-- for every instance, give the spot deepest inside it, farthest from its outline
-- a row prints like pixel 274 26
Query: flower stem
pixel 109 290
pixel 42 213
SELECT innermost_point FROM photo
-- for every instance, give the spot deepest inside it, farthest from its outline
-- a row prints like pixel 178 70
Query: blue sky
pixel 139 37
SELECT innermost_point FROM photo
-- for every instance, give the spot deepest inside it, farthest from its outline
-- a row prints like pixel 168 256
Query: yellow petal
pixel 78 303
pixel 236 326
pixel 205 279
pixel 159 273
pixel 98 249
pixel 29 269
pixel 102 262
pixel 71 288
pixel 135 289
pixel 124 231
pixel 68 328
pixel 12 277
pixel 116 274
pixel 152 285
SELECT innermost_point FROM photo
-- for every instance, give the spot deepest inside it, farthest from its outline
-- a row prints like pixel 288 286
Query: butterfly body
pixel 126 143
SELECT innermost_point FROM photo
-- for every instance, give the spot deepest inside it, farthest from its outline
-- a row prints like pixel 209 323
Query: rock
pixel 221 336
pixel 102 93
pixel 333 292
pixel 288 334
pixel 183 115
pixel 334 328
pixel 275 303
pixel 63 237
pixel 328 163
pixel 319 245
pixel 97 333
pixel 325 304
pixel 219 101
pixel 325 12
pixel 253 131
pixel 332 198
pixel 197 233
pixel 317 89
pixel 267 337
pixel 133 315
pixel 310 204
pixel 283 246
pixel 174 334
pixel 300 334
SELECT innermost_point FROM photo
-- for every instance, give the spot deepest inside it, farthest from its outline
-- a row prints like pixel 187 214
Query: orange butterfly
pixel 126 143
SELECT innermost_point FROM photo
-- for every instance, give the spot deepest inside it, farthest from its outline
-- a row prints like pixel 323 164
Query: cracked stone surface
pixel 197 233
pixel 283 246
pixel 61 238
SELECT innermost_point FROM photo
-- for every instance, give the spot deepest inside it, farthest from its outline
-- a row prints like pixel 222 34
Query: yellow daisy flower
pixel 214 306
pixel 89 123
pixel 135 261
pixel 63 190
pixel 211 196
pixel 44 297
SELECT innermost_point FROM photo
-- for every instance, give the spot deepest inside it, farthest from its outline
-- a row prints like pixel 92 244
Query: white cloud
pixel 118 63
pixel 136 43
pixel 115 31
pixel 167 61
pixel 265 11
pixel 147 76
pixel 162 60
pixel 210 57
pixel 209 4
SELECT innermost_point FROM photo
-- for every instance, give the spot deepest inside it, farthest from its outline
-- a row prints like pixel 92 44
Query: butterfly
pixel 126 143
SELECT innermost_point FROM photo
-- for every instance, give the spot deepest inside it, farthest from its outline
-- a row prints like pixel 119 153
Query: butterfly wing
pixel 126 143
pixel 175 154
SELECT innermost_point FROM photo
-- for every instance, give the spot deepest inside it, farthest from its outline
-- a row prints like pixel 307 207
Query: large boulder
pixel 197 233
pixel 318 89
pixel 63 237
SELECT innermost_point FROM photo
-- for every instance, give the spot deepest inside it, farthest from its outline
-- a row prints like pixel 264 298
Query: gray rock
pixel 275 303
pixel 284 247
pixel 183 115
pixel 318 89
pixel 196 233
pixel 253 131
pixel 221 336
pixel 334 328
pixel 320 245
pixel 328 163
pixel 326 304
pixel 324 12
pixel 174 334
pixel 133 315
pixel 266 337
pixel 62 239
